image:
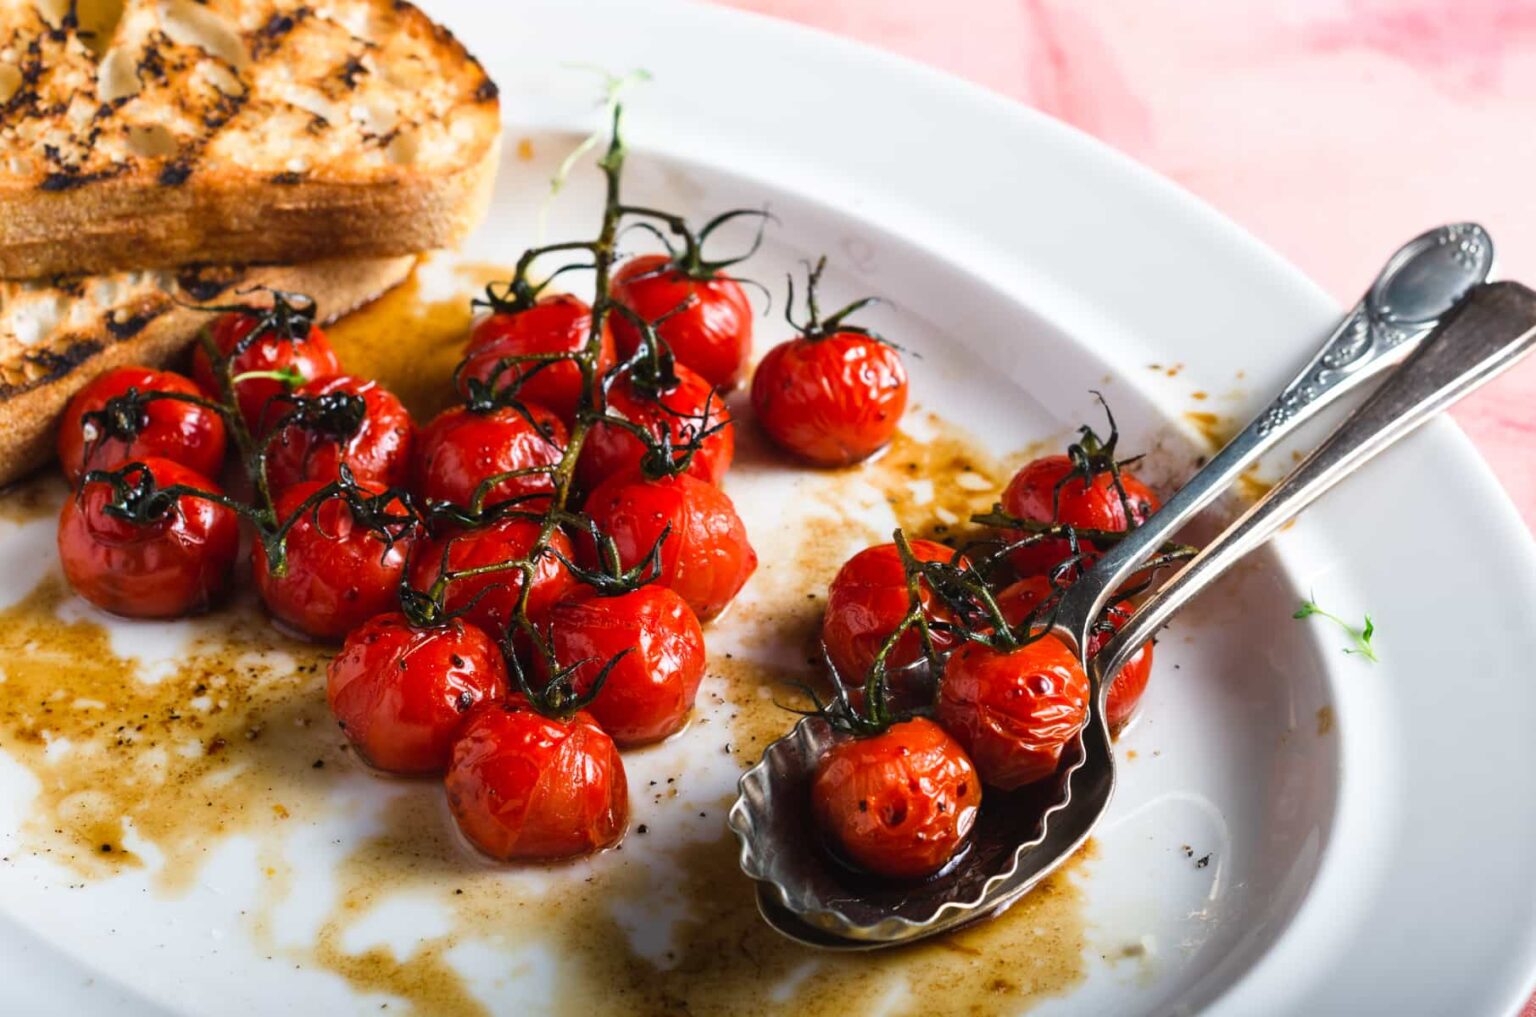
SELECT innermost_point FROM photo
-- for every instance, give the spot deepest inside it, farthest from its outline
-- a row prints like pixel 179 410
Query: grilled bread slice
pixel 155 133
pixel 56 337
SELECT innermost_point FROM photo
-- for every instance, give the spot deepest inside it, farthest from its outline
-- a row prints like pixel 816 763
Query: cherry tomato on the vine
pixel 462 448
pixel 504 540
pixel 706 558
pixel 648 694
pixel 1016 710
pixel 522 785
pixel 402 694
pixel 310 357
pixel 338 573
pixel 171 564
pixel 559 323
pixel 92 436
pixel 693 408
pixel 710 325
pixel 833 400
pixel 324 436
pixel 900 803
pixel 1047 491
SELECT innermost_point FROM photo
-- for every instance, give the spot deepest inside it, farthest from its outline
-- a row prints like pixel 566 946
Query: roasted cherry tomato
pixel 1016 710
pixel 899 804
pixel 1046 492
pixel 501 541
pixel 686 411
pixel 832 400
pixel 706 557
pixel 338 573
pixel 650 691
pixel 1126 688
pixel 175 562
pixel 402 693
pixel 310 357
pixel 522 785
pixel 559 323
pixel 462 447
pixel 867 601
pixel 341 421
pixel 102 428
pixel 711 333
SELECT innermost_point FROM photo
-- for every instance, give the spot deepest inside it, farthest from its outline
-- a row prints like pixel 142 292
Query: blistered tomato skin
pixel 706 558
pixel 1128 686
pixel 402 694
pixel 1094 505
pixel 176 564
pixel 461 448
pixel 867 601
pixel 899 804
pixel 559 323
pixel 830 401
pixel 708 322
pixel 311 357
pixel 377 452
pixel 687 411
pixel 173 429
pixel 524 786
pixel 1014 711
pixel 504 540
pixel 338 574
pixel 649 693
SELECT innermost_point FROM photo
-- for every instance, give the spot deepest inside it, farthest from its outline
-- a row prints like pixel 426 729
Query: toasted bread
pixel 158 133
pixel 55 338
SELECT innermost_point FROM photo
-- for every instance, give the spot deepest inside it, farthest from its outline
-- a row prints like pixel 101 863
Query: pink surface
pixel 1332 129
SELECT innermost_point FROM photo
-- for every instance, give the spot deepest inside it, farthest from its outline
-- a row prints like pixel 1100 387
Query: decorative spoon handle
pixel 1493 329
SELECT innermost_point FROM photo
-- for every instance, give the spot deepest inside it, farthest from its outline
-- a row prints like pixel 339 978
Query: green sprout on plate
pixel 1361 636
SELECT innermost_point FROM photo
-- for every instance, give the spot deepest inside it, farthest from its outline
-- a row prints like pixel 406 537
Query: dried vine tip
pixel 394 111
pixel 815 326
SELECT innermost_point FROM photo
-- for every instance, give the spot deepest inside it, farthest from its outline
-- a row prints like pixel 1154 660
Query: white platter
pixel 1377 863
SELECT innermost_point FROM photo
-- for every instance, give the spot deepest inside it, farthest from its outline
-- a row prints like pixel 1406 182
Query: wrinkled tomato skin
pixel 649 693
pixel 176 565
pixel 1091 505
pixel 1127 687
pixel 524 786
pixel 461 448
pixel 503 540
pixel 338 574
pixel 378 452
pixel 611 450
pixel 182 432
pixel 559 323
pixel 832 401
pixel 712 335
pixel 312 357
pixel 706 559
pixel 1014 711
pixel 899 804
pixel 402 694
pixel 867 601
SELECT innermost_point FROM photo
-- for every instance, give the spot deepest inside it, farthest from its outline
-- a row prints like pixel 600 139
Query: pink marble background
pixel 1332 129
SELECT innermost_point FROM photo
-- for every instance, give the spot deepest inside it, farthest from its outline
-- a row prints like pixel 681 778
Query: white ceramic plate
pixel 1380 864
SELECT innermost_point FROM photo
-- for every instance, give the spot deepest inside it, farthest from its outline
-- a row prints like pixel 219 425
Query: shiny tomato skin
pixel 1095 505
pixel 176 565
pixel 312 357
pixel 402 694
pixel 681 413
pixel 559 323
pixel 378 452
pixel 830 401
pixel 460 448
pixel 503 540
pixel 865 603
pixel 1014 711
pixel 649 693
pixel 182 432
pixel 712 335
pixel 706 558
pixel 338 575
pixel 1127 687
pixel 899 804
pixel 524 786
